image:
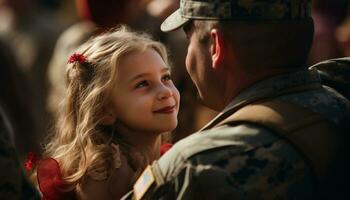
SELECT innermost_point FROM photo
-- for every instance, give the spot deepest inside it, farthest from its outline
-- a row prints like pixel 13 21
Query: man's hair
pixel 262 41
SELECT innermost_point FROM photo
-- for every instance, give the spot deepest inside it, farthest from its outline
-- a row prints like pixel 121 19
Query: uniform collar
pixel 273 85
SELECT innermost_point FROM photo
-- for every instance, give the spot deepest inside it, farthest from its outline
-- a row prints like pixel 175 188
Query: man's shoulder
pixel 239 138
pixel 256 161
pixel 325 102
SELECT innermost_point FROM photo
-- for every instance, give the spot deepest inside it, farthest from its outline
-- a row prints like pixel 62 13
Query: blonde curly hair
pixel 78 144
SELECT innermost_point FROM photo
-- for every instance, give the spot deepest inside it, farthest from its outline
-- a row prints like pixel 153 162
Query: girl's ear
pixel 217 48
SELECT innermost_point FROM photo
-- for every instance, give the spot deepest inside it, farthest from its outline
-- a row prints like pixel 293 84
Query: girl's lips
pixel 166 110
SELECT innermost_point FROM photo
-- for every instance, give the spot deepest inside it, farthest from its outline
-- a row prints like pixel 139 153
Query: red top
pixel 51 184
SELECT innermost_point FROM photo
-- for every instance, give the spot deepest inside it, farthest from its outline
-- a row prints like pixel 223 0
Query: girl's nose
pixel 164 92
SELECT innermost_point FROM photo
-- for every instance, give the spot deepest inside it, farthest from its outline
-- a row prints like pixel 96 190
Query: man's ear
pixel 217 47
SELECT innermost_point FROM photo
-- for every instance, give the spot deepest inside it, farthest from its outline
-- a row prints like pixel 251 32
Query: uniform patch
pixel 144 182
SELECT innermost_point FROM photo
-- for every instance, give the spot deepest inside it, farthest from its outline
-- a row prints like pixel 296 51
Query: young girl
pixel 120 99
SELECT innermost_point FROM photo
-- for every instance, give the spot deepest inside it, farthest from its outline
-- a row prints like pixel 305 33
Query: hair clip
pixel 31 161
pixel 77 57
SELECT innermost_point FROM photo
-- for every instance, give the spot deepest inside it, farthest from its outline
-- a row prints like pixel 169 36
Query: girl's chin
pixel 170 127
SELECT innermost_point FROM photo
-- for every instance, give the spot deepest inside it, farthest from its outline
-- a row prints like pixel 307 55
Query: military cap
pixel 237 10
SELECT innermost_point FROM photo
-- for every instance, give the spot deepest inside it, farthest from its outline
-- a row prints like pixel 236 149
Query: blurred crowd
pixel 38 36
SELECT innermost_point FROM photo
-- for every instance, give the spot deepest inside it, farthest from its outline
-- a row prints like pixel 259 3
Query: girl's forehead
pixel 142 57
pixel 141 62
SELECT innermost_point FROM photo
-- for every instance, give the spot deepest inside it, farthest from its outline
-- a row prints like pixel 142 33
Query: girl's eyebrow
pixel 165 69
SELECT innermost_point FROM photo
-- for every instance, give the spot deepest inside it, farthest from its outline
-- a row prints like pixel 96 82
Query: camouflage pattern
pixel 246 161
pixel 336 74
pixel 13 183
pixel 237 10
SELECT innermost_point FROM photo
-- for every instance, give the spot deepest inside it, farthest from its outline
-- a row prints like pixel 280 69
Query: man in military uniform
pixel 279 134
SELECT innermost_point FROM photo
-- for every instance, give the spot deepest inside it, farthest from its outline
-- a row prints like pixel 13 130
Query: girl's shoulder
pixel 107 182
pixel 102 172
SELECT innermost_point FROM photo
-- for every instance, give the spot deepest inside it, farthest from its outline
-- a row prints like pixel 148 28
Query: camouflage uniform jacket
pixel 245 161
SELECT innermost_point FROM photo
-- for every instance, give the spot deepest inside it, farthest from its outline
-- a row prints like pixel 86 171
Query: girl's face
pixel 144 97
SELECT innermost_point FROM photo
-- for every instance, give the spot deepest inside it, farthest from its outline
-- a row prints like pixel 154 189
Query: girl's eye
pixel 142 84
pixel 166 77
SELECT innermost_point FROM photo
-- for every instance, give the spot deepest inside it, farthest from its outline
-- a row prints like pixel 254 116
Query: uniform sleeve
pixel 198 183
pixel 272 171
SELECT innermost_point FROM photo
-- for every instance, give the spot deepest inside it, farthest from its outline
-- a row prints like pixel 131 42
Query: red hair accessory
pixel 51 184
pixel 31 161
pixel 165 147
pixel 77 57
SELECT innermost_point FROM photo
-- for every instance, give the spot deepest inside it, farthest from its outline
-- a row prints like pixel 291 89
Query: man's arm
pixel 258 165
